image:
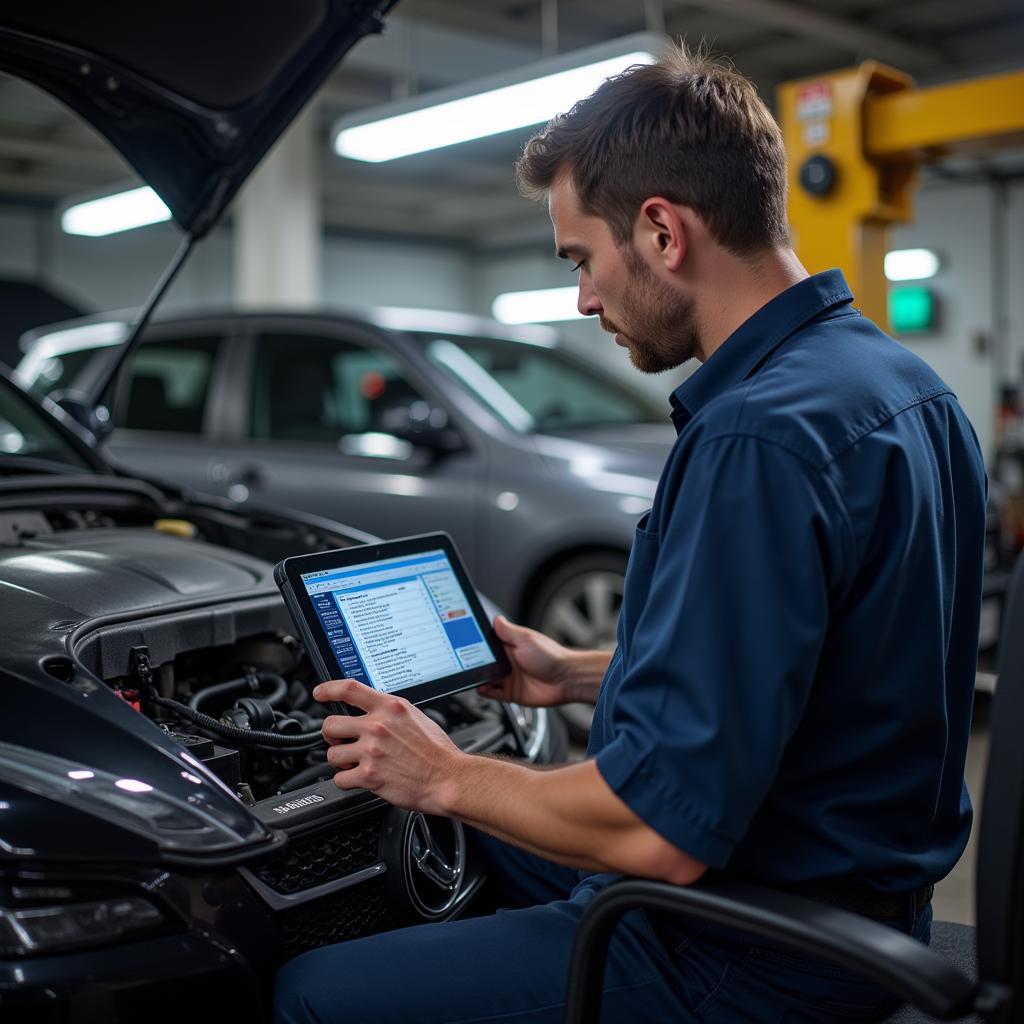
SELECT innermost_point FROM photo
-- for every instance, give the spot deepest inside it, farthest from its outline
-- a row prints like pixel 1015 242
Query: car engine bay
pixel 245 711
pixel 157 649
pixel 194 636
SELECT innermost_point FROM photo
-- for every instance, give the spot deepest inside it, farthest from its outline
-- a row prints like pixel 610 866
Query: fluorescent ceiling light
pixel 911 264
pixel 541 306
pixel 500 104
pixel 120 212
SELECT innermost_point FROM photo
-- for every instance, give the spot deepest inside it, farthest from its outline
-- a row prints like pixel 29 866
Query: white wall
pixel 359 272
pixel 19 241
pixel 1015 280
pixel 956 220
pixel 112 272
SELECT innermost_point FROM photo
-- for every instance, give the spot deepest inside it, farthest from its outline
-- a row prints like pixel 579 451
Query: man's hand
pixel 393 750
pixel 544 673
pixel 566 814
pixel 540 666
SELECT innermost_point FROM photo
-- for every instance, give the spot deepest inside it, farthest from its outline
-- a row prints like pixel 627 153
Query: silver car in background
pixel 398 422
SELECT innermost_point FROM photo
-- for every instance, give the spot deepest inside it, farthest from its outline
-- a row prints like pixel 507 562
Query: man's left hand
pixel 394 750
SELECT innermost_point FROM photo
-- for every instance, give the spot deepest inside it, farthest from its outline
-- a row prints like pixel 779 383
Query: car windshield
pixel 28 443
pixel 535 388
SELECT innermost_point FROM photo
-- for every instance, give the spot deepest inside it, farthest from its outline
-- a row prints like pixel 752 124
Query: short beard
pixel 658 324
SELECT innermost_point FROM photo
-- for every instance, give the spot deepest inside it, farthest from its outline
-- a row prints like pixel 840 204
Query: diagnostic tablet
pixel 400 616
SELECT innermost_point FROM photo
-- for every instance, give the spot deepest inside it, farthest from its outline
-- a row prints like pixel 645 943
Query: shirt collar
pixel 743 351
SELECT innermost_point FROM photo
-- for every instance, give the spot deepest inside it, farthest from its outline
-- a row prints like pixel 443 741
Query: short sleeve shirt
pixel 791 693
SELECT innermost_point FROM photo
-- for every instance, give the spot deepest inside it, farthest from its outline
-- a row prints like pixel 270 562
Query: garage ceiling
pixel 465 194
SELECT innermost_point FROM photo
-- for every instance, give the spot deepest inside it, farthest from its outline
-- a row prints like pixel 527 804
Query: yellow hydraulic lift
pixel 854 140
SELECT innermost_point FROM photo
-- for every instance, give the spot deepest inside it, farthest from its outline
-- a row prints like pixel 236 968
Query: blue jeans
pixel 511 967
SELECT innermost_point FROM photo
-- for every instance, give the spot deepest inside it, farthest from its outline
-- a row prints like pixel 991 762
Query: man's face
pixel 647 315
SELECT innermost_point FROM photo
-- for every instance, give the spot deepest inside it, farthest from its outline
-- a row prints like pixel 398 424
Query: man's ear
pixel 660 228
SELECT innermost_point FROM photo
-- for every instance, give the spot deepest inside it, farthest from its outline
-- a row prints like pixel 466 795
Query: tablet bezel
pixel 289 572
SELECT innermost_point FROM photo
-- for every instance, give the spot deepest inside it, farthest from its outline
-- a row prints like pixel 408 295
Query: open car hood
pixel 191 93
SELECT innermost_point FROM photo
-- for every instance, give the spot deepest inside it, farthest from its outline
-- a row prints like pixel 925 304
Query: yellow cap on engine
pixel 177 527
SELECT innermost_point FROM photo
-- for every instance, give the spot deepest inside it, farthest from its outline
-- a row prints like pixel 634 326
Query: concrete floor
pixel 954 895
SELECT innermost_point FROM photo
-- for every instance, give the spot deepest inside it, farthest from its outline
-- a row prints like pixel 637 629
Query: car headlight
pixel 189 824
pixel 61 923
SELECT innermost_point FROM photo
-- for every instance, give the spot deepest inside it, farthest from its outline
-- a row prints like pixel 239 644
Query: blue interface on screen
pixel 398 622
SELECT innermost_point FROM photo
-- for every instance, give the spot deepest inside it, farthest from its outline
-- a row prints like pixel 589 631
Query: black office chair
pixel 965 971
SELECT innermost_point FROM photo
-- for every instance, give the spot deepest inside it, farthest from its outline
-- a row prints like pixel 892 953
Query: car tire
pixel 556 750
pixel 578 605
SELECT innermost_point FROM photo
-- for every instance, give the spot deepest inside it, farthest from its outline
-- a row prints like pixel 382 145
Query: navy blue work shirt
pixel 791 694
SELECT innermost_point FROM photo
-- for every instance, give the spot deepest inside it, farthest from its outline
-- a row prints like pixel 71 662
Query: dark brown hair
pixel 688 128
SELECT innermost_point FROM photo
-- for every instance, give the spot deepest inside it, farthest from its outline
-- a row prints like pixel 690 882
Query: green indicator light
pixel 911 310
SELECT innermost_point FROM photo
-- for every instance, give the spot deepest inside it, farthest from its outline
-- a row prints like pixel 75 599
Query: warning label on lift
pixel 814 101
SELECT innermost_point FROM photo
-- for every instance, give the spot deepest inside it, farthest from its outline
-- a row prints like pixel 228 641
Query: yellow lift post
pixel 854 140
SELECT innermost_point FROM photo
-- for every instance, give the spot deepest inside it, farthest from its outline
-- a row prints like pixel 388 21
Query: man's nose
pixel 587 301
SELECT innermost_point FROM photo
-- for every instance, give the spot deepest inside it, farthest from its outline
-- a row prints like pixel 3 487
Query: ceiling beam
pixel 472 18
pixel 346 91
pixel 450 172
pixel 829 29
pixel 526 32
pixel 427 200
pixel 533 233
pixel 387 222
pixel 34 186
pixel 44 151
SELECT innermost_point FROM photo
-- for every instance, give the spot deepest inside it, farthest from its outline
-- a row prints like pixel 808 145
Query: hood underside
pixel 191 93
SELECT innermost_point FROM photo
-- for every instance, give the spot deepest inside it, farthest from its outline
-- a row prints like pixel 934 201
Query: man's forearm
pixel 568 815
pixel 480 801
pixel 584 673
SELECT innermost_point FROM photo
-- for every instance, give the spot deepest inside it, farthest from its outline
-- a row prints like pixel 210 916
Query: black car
pixel 169 832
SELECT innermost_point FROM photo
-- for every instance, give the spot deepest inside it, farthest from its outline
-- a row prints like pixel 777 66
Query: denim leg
pixel 507 968
pixel 512 967
pixel 519 878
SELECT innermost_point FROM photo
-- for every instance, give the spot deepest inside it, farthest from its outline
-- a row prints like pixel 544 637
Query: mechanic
pixel 790 697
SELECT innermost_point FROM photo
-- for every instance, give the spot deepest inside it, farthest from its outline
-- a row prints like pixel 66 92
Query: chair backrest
pixel 999 881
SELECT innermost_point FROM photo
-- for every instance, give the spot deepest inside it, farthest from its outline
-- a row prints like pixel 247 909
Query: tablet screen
pixel 398 622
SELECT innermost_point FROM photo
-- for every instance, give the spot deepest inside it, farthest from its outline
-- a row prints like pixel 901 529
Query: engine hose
pixel 274 697
pixel 233 732
pixel 308 775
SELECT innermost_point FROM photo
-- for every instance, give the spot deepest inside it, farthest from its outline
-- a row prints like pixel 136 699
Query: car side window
pixel 166 385
pixel 311 388
pixel 537 388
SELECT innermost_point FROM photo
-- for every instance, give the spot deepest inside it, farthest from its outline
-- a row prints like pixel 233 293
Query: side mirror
pixel 421 424
pixel 95 419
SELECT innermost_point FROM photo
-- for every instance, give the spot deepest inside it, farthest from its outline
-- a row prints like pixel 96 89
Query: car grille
pixel 324 855
pixel 344 915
